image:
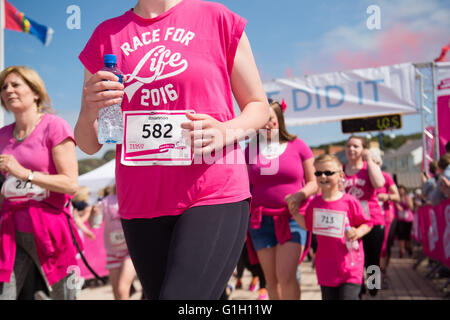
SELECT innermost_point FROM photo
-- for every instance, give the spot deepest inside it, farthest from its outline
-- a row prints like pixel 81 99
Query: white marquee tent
pixel 98 179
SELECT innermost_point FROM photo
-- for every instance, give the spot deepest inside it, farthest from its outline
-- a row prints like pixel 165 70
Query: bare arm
pixel 300 219
pixel 66 178
pixel 409 203
pixel 248 90
pixel 356 233
pixel 374 170
pixel 393 194
pixel 310 188
pixel 97 94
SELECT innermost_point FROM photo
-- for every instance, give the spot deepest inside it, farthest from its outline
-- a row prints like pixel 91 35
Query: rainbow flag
pixel 17 21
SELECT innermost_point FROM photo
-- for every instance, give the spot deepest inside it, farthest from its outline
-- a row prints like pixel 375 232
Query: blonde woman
pixel 37 157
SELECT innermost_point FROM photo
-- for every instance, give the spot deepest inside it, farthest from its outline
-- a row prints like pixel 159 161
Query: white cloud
pixel 411 30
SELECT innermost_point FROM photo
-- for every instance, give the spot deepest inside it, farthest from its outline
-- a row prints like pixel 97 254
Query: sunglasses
pixel 327 173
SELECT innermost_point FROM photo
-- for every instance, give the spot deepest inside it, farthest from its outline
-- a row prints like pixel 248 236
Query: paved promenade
pixel 403 283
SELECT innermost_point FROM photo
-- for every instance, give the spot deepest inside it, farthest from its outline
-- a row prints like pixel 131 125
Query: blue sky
pixel 288 37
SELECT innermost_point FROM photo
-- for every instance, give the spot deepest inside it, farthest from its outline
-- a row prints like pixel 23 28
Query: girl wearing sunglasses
pixel 339 222
pixel 362 177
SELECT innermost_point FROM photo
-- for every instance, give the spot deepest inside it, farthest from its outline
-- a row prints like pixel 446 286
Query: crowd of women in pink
pixel 181 228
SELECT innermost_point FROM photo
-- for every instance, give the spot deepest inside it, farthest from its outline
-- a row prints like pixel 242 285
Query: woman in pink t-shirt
pixel 184 223
pixel 404 216
pixel 37 158
pixel 118 261
pixel 339 222
pixel 362 177
pixel 387 196
pixel 280 167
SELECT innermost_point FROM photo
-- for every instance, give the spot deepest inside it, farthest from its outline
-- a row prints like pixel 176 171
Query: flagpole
pixel 2 34
pixel 2 49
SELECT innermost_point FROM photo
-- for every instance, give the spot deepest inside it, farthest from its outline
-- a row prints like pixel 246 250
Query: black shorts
pixel 403 230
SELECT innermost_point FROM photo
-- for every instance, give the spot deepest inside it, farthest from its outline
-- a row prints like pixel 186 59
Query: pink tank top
pixel 359 186
pixel 179 60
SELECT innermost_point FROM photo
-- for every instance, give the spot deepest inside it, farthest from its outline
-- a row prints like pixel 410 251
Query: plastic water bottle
pixel 110 123
pixel 351 246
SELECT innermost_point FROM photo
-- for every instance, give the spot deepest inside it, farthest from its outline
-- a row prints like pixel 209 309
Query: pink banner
pixel 423 227
pixel 435 230
pixel 444 231
pixel 443 111
pixel 415 232
pixel 95 254
pixel 430 233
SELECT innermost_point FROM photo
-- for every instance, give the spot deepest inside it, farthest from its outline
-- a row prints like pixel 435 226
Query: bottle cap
pixel 109 59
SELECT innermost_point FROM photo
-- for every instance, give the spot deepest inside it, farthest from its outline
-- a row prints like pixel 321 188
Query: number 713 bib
pixel 329 223
pixel 155 138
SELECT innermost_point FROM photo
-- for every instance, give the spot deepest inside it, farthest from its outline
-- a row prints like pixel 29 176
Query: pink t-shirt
pixel 35 153
pixel 405 214
pixel 113 233
pixel 269 190
pixel 387 206
pixel 359 185
pixel 189 49
pixel 333 259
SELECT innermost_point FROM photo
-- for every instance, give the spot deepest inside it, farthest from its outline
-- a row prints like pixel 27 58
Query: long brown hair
pixel 284 135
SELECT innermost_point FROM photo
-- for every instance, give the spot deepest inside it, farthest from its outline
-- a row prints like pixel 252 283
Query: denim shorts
pixel 264 237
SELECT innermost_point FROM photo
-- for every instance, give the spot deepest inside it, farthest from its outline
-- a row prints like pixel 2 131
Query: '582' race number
pixel 155 138
pixel 156 131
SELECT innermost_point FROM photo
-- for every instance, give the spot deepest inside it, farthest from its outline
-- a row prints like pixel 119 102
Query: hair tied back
pixel 283 105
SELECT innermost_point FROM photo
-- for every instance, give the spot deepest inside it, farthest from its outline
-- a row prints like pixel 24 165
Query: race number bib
pixel 155 138
pixel 15 189
pixel 329 223
pixel 117 239
pixel 403 215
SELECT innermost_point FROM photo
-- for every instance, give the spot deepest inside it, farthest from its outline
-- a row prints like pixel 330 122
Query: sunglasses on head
pixel 327 173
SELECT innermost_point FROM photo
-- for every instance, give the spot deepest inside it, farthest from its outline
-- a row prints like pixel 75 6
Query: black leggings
pixel 373 243
pixel 346 291
pixel 255 269
pixel 189 256
pixel 391 237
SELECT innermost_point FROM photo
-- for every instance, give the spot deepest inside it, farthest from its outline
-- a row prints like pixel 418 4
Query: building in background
pixel 406 163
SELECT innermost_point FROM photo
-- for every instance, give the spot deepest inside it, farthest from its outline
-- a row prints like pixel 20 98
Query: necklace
pixel 28 132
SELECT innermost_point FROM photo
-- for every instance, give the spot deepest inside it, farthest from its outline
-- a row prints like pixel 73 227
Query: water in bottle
pixel 110 123
pixel 352 246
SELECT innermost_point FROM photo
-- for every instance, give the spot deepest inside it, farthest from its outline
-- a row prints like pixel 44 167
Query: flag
pixel 444 51
pixel 17 21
